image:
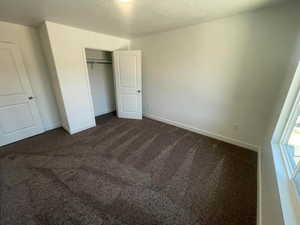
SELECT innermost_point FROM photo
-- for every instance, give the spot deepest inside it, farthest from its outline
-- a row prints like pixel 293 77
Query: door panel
pixel 128 84
pixel 128 73
pixel 10 83
pixel 129 103
pixel 21 113
pixel 19 116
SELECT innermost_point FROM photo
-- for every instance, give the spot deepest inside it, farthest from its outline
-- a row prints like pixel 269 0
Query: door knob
pixel 138 91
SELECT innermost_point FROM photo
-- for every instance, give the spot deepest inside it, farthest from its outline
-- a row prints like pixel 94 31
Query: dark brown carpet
pixel 127 172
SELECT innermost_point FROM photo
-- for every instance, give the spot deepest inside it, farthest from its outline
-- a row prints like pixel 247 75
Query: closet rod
pixel 99 62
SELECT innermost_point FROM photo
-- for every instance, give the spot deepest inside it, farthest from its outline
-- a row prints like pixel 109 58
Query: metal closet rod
pixel 100 62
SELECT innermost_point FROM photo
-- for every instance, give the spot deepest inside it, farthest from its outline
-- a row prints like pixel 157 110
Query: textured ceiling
pixel 138 17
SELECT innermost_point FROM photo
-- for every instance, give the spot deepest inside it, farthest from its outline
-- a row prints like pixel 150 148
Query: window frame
pixel 284 139
pixel 284 171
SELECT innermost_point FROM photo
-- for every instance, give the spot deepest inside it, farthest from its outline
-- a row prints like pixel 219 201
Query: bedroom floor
pixel 127 172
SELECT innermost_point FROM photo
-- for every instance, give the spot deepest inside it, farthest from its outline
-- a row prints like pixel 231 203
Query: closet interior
pixel 100 70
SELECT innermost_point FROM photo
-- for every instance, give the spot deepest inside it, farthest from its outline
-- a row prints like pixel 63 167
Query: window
pixel 290 145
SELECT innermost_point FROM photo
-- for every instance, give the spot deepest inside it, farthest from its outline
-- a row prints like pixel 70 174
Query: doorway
pixel 100 71
pixel 115 82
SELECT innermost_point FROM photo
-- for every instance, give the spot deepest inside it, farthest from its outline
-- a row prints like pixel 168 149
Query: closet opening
pixel 101 77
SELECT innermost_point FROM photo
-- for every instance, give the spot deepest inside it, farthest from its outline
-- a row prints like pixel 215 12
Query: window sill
pixel 289 202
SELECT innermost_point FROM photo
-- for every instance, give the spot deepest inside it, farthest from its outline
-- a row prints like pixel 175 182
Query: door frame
pixel 85 65
pixel 88 85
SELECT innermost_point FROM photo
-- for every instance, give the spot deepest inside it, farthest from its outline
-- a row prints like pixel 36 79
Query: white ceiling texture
pixel 125 19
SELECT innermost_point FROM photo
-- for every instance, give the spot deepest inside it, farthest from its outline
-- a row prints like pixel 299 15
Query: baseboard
pixel 204 132
pixel 53 125
pixel 105 112
pixel 259 192
pixel 77 130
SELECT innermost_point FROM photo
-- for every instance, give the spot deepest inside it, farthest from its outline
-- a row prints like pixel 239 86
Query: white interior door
pixel 128 83
pixel 19 116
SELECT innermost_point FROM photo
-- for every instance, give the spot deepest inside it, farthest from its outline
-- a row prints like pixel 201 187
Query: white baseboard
pixel 105 112
pixel 204 132
pixel 259 192
pixel 53 125
pixel 85 127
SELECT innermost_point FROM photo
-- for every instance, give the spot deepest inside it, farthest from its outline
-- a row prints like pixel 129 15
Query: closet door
pixel 128 83
pixel 19 116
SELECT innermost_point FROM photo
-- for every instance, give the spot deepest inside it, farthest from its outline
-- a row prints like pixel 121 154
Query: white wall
pixel 235 70
pixel 67 48
pixel 102 88
pixel 27 40
pixel 220 77
pixel 45 41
